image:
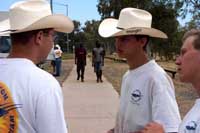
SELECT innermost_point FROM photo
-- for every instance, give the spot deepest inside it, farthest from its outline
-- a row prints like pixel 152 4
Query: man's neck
pixel 19 51
pixel 137 62
pixel 196 85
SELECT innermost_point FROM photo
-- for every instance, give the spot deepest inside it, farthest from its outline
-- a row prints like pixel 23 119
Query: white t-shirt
pixel 191 122
pixel 57 53
pixel 147 94
pixel 31 99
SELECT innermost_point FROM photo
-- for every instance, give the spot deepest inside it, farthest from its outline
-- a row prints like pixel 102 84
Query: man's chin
pixel 183 79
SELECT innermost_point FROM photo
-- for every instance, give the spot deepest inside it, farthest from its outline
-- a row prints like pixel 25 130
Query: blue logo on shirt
pixel 136 96
pixel 5 108
pixel 192 125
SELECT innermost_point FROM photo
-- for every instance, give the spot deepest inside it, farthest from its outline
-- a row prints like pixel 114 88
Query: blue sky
pixel 80 10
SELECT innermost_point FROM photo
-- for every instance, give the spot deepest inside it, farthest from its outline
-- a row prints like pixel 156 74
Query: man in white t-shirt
pixel 189 72
pixel 147 92
pixel 31 99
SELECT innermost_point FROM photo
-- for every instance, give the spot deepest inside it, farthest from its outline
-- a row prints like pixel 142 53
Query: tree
pixel 67 41
pixel 77 36
pixel 164 19
pixel 91 33
pixel 193 8
pixel 112 8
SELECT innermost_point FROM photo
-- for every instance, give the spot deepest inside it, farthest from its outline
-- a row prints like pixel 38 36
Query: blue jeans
pixel 58 62
pixel 97 66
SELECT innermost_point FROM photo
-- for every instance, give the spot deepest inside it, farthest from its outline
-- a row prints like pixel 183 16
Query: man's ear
pixel 143 41
pixel 39 37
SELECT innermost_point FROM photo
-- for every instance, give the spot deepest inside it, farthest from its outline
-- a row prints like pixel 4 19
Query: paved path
pixel 90 107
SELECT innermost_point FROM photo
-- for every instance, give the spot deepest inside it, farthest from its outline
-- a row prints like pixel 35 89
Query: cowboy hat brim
pixel 108 28
pixel 4 25
pixel 58 22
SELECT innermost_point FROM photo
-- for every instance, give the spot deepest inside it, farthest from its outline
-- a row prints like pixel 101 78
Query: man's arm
pixel 111 130
pixel 103 56
pixel 93 54
pixel 75 56
pixel 85 56
pixel 152 127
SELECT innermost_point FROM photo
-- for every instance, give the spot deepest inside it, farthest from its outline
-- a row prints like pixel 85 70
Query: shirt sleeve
pixel 49 113
pixel 164 106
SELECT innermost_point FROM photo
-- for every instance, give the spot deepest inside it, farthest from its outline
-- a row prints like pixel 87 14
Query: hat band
pixel 130 31
pixel 120 28
pixel 8 30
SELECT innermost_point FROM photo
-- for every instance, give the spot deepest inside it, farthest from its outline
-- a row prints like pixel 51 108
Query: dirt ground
pixel 185 95
pixel 67 66
pixel 114 71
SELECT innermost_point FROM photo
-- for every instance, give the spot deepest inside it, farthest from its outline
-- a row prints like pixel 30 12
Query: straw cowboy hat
pixel 4 25
pixel 131 21
pixel 58 46
pixel 36 14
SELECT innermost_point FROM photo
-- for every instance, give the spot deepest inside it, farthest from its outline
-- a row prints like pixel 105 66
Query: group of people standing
pixel 98 54
pixel 31 99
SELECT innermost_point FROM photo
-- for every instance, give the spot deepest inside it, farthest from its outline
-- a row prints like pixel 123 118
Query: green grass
pixel 66 56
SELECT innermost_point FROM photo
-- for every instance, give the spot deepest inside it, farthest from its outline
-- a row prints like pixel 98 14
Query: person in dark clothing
pixel 98 54
pixel 80 61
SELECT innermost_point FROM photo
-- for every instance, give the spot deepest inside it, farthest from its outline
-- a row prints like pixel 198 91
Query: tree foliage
pixel 164 12
pixel 91 33
pixel 191 7
pixel 68 41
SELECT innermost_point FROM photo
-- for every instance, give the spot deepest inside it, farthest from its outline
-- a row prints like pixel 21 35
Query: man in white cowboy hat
pixel 31 99
pixel 147 92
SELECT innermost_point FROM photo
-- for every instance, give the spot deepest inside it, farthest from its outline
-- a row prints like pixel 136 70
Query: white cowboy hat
pixel 131 21
pixel 36 14
pixel 4 25
pixel 58 46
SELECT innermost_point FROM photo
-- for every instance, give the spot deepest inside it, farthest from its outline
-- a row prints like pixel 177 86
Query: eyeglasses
pixel 50 32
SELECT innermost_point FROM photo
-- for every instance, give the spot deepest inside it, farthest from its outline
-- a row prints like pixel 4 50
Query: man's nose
pixel 178 60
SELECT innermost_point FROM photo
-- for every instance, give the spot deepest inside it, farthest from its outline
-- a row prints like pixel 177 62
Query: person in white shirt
pixel 147 92
pixel 189 72
pixel 58 59
pixel 31 99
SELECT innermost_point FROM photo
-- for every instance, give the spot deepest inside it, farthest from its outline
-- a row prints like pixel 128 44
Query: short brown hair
pixel 196 34
pixel 138 37
pixel 24 37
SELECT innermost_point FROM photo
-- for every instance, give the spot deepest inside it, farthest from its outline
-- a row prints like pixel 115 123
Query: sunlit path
pixel 90 107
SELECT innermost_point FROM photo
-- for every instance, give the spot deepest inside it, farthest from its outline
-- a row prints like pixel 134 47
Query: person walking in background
pixel 31 99
pixel 58 60
pixel 98 55
pixel 147 92
pixel 189 72
pixel 80 61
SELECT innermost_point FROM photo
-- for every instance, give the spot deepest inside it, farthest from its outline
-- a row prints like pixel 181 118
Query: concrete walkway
pixel 90 107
